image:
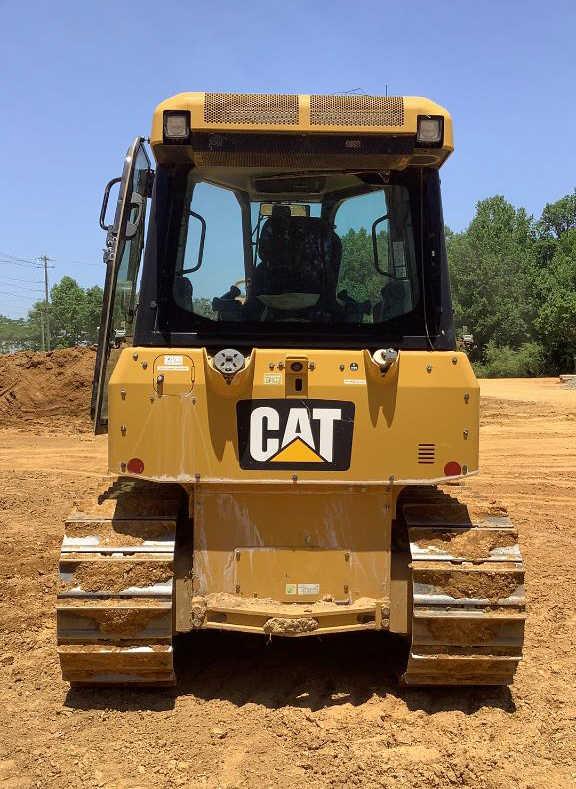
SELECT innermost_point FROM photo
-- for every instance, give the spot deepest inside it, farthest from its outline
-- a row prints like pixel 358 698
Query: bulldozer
pixel 288 414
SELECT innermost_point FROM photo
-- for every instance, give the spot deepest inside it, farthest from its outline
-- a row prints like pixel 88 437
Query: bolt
pixel 280 365
pixel 464 469
pixel 466 397
pixel 271 366
pixel 346 588
pixel 237 587
pixel 391 479
pixel 123 429
pixel 237 555
pixel 197 477
pixel 294 477
pixel 160 379
pixel 428 368
pixel 311 366
pixel 122 466
pixel 465 435
pixel 347 556
pixel 342 368
pixel 144 365
pixel 123 394
pixel 135 357
pixel 454 360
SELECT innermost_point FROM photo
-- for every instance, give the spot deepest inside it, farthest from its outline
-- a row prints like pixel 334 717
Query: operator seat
pixel 396 300
pixel 300 261
pixel 183 292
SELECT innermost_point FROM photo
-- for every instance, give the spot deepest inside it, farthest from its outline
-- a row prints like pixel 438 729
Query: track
pixel 468 592
pixel 115 606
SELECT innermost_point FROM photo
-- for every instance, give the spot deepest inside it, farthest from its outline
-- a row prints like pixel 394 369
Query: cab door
pixel 122 255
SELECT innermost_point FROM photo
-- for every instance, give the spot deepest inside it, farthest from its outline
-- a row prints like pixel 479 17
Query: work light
pixel 176 126
pixel 430 130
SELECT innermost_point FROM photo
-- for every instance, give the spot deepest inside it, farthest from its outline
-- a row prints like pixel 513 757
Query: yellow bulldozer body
pixel 280 451
pixel 293 529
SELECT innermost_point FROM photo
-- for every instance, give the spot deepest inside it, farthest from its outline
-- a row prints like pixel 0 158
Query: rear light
pixel 451 469
pixel 430 131
pixel 176 126
pixel 135 466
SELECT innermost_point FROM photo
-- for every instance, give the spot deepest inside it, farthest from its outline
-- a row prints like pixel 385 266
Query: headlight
pixel 430 131
pixel 176 126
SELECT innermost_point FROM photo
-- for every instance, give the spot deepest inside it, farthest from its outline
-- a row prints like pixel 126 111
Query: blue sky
pixel 81 79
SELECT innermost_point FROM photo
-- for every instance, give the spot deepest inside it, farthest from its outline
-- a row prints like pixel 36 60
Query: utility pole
pixel 46 333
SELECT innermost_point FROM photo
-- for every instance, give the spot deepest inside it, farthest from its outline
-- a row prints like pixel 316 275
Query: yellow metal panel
pixel 339 540
pixel 428 398
pixel 293 575
pixel 274 113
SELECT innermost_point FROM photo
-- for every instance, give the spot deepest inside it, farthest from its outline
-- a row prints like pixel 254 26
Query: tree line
pixel 513 280
pixel 514 287
pixel 72 318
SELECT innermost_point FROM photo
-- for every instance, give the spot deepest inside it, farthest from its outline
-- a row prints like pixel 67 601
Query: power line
pixel 17 259
pixel 21 264
pixel 23 281
pixel 18 295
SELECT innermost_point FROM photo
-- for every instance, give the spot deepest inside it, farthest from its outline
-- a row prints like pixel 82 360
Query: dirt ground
pixel 305 712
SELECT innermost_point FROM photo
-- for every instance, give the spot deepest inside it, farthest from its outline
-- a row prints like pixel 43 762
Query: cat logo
pixel 311 435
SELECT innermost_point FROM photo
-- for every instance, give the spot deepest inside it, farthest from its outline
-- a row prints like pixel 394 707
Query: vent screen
pixel 265 109
pixel 356 110
pixel 296 160
pixel 426 453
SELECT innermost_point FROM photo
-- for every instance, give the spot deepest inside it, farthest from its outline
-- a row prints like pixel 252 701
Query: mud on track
pixel 294 713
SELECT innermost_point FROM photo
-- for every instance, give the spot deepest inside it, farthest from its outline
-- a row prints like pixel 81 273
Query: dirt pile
pixel 57 384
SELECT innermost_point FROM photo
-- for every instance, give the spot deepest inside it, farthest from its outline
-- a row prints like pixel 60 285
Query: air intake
pixel 262 109
pixel 426 453
pixel 356 110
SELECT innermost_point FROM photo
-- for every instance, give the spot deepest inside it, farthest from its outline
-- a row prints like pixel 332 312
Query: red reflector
pixel 136 466
pixel 451 469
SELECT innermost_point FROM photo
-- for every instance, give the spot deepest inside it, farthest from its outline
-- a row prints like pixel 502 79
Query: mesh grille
pixel 356 110
pixel 292 160
pixel 265 109
pixel 426 453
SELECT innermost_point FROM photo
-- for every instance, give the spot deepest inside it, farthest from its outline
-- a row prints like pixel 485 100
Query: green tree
pixel 559 217
pixel 492 267
pixel 92 312
pixel 74 314
pixel 556 319
pixel 203 306
pixel 67 312
pixel 358 275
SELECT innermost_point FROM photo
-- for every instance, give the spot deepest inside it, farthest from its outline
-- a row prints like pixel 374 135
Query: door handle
pixel 104 208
